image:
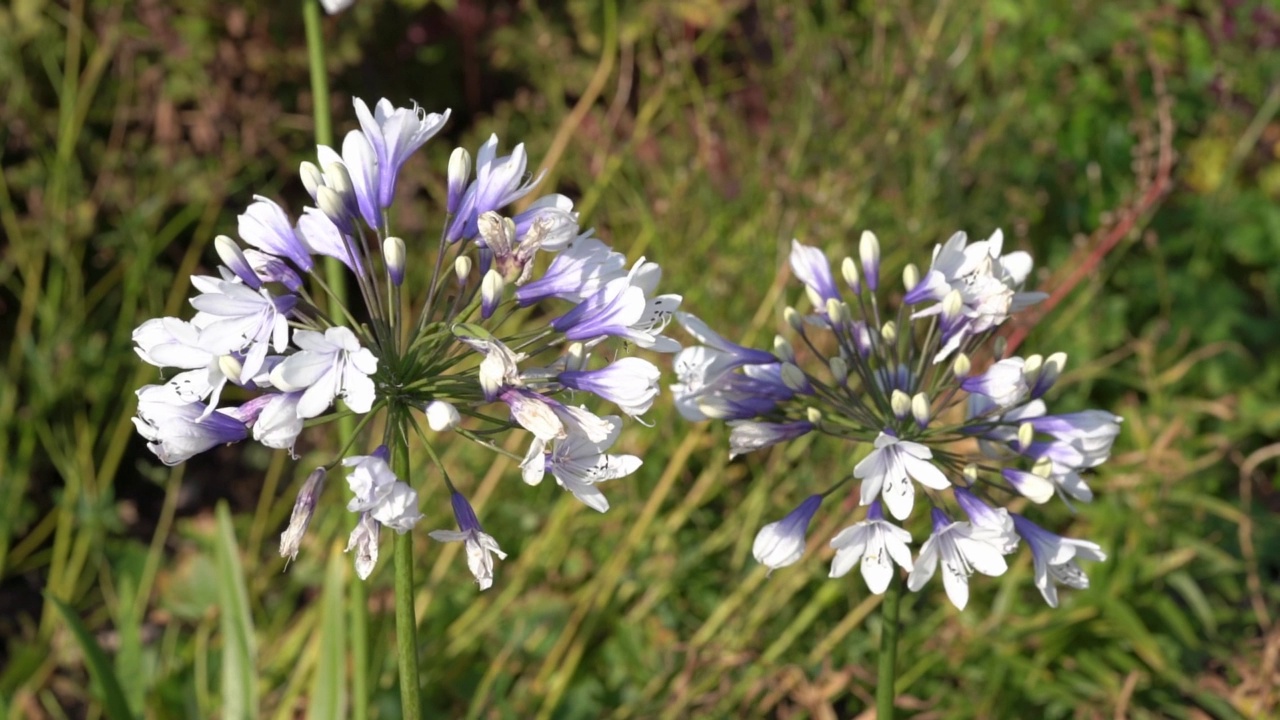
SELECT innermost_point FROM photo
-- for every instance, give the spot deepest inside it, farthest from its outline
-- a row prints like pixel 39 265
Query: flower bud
pixel 833 312
pixel 441 416
pixel 312 178
pixel 793 319
pixel 1048 374
pixel 334 207
pixel 961 366
pixel 234 258
pixel 910 277
pixel 920 409
pixel 337 177
pixel 1026 434
pixel 889 333
pixel 813 415
pixel 849 270
pixel 303 508
pixel 900 402
pixel 952 305
pixel 781 543
pixel 230 366
pixel 459 174
pixel 970 473
pixel 462 268
pixel 839 369
pixel 782 349
pixel 869 252
pixel 575 357
pixel 793 377
pixel 393 256
pixel 1031 366
pixel 491 288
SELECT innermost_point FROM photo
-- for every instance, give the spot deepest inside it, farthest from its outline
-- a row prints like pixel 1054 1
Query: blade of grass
pixel 239 651
pixel 100 670
pixel 327 689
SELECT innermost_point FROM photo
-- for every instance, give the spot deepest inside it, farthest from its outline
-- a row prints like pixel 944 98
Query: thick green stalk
pixel 406 625
pixel 887 675
pixel 336 281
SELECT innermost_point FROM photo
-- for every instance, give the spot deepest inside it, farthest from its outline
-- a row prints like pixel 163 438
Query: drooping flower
pixel 176 432
pixel 1055 558
pixel 480 546
pixel 303 508
pixel 781 543
pixel 579 463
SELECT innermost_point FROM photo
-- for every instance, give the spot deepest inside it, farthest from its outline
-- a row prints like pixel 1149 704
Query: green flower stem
pixel 335 285
pixel 406 625
pixel 887 676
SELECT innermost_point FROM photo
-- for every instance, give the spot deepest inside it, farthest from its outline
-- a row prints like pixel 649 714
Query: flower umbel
pixel 269 334
pixel 928 390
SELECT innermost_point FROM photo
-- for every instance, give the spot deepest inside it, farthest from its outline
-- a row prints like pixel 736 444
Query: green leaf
pixel 327 689
pixel 99 666
pixel 239 651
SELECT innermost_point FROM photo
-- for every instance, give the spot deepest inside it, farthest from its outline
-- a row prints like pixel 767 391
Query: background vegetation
pixel 1133 147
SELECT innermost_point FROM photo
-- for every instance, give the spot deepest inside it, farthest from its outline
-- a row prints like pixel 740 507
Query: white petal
pixel 877 571
pixel 924 473
pixel 925 565
pixel 358 390
pixel 899 496
pixel 956 583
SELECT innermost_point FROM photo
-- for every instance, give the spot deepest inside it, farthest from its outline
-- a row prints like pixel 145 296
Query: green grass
pixel 705 136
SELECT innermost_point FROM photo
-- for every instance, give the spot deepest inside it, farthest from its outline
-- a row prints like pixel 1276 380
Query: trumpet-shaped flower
pixel 395 134
pixel 176 432
pixel 480 546
pixel 1055 558
pixel 781 543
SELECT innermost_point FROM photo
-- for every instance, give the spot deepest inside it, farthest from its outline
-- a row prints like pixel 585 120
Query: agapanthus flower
pixel 480 546
pixel 270 351
pixel 934 412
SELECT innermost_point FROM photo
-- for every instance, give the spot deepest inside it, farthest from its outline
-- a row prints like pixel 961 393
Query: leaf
pixel 239 651
pixel 327 689
pixel 99 666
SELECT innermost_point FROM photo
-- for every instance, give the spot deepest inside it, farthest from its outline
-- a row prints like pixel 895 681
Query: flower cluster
pixel 261 337
pixel 905 382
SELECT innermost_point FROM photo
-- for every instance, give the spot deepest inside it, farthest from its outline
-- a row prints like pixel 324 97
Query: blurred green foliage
pixel 703 134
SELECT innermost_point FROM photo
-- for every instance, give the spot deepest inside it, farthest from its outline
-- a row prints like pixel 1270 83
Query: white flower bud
pixel 442 416
pixel 961 366
pixel 952 305
pixel 491 288
pixel 337 177
pixel 849 269
pixel 459 174
pixel 393 256
pixel 900 402
pixel 920 409
pixel 813 415
pixel 970 473
pixel 782 349
pixel 869 252
pixel 833 312
pixel 462 268
pixel 230 366
pixel 312 178
pixel 1031 366
pixel 910 277
pixel 1026 434
pixel 793 319
pixel 333 206
pixel 575 358
pixel 889 332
